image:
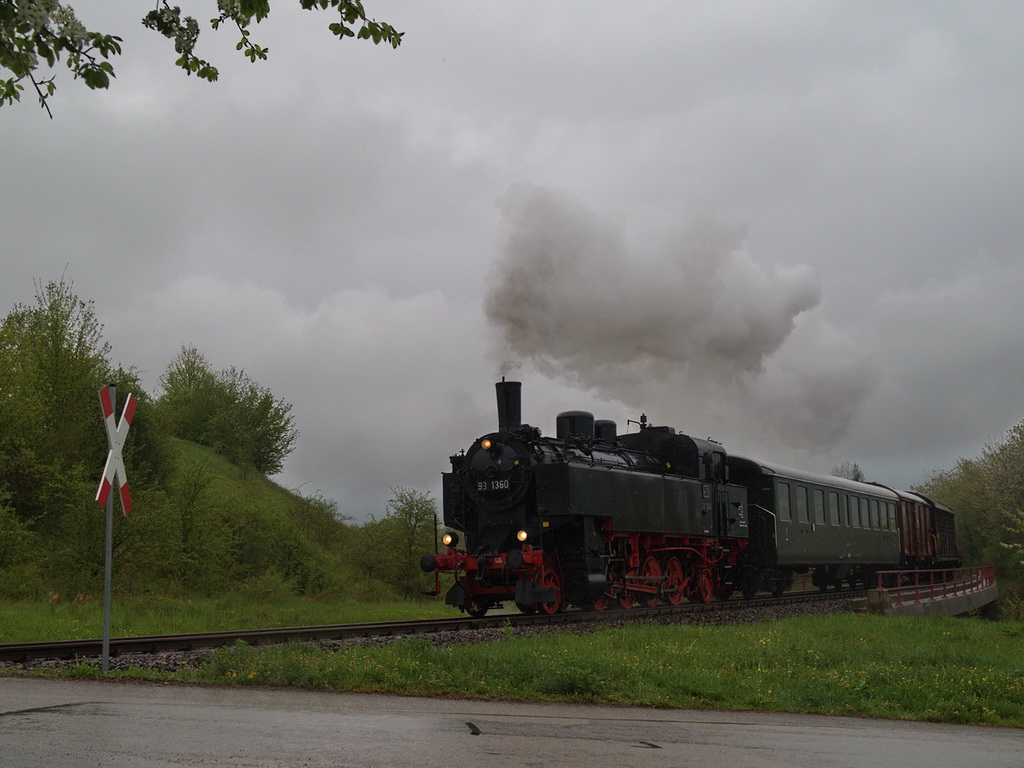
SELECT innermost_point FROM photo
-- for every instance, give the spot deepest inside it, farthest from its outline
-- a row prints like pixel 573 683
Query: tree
pixel 228 412
pixel 189 391
pixel 851 471
pixel 53 362
pixel 36 31
pixel 987 493
pixel 60 361
pixel 412 524
pixel 388 550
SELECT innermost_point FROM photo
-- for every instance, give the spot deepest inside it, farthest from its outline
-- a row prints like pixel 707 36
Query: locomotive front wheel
pixel 550 580
pixel 529 610
pixel 601 603
pixel 477 609
pixel 651 572
pixel 675 581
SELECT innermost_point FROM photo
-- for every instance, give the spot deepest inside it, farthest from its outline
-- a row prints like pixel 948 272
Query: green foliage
pixel 228 412
pixel 225 530
pixel 203 521
pixel 18 575
pixel 197 528
pixel 987 494
pixel 389 549
pixel 53 362
pixel 35 30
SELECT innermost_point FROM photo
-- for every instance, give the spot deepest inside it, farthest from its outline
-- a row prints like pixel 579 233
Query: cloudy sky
pixel 795 227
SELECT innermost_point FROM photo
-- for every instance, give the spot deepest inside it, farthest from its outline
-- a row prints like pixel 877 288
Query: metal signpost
pixel 113 474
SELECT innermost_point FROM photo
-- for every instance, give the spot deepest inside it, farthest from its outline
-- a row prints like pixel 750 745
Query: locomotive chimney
pixel 510 410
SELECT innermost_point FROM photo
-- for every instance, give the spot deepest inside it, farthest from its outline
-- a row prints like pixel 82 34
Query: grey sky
pixel 793 226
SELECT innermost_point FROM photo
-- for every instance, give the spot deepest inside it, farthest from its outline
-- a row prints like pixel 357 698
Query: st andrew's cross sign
pixel 114 471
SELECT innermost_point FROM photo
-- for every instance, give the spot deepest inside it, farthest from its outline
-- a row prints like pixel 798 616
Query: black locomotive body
pixel 590 517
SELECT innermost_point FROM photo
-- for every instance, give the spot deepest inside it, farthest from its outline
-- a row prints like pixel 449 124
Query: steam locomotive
pixel 591 518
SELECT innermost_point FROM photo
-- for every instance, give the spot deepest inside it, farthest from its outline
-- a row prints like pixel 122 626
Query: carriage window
pixel 819 506
pixel 833 507
pixel 801 504
pixel 874 513
pixel 851 512
pixel 892 515
pixel 864 513
pixel 782 502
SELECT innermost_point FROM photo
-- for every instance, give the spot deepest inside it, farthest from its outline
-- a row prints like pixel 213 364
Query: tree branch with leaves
pixel 38 33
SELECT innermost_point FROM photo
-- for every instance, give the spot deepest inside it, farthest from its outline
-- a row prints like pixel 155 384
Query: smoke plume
pixel 689 327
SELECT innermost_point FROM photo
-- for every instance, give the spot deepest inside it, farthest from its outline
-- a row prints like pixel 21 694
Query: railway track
pixel 71 649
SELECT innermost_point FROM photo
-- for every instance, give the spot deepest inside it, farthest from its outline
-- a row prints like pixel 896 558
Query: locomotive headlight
pixel 450 539
pixel 523 535
pixel 486 444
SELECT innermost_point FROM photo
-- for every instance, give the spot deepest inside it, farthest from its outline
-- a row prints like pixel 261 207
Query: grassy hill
pixel 229 527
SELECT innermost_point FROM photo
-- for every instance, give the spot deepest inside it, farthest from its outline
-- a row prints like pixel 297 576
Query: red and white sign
pixel 114 470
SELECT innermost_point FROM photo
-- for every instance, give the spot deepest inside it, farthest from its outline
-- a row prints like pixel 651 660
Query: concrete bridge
pixel 955 591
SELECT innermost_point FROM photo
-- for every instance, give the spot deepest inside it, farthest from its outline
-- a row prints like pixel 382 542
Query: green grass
pixel 25 622
pixel 937 669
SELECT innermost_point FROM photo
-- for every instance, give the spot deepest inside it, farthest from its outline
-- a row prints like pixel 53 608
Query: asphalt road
pixel 74 724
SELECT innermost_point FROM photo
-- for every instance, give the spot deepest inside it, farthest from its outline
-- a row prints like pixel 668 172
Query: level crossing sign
pixel 114 471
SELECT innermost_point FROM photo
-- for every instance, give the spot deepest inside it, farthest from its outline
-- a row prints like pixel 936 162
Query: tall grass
pixel 24 622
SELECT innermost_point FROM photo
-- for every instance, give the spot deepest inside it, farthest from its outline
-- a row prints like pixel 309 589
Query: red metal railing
pixel 915 586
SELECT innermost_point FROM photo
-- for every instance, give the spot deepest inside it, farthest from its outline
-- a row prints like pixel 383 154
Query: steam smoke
pixel 691 329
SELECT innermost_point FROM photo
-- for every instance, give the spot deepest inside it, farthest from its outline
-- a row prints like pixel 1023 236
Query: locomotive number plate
pixel 492 485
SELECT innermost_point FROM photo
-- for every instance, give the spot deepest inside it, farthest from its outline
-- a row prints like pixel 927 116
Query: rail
pixel 939 584
pixel 69 649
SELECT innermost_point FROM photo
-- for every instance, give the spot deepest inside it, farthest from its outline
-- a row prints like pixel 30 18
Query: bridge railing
pixel 915 586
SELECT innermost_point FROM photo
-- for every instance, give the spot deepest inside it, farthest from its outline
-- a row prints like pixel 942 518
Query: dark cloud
pixel 326 221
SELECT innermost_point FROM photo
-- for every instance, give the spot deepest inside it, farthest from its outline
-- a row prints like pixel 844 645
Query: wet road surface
pixel 74 724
